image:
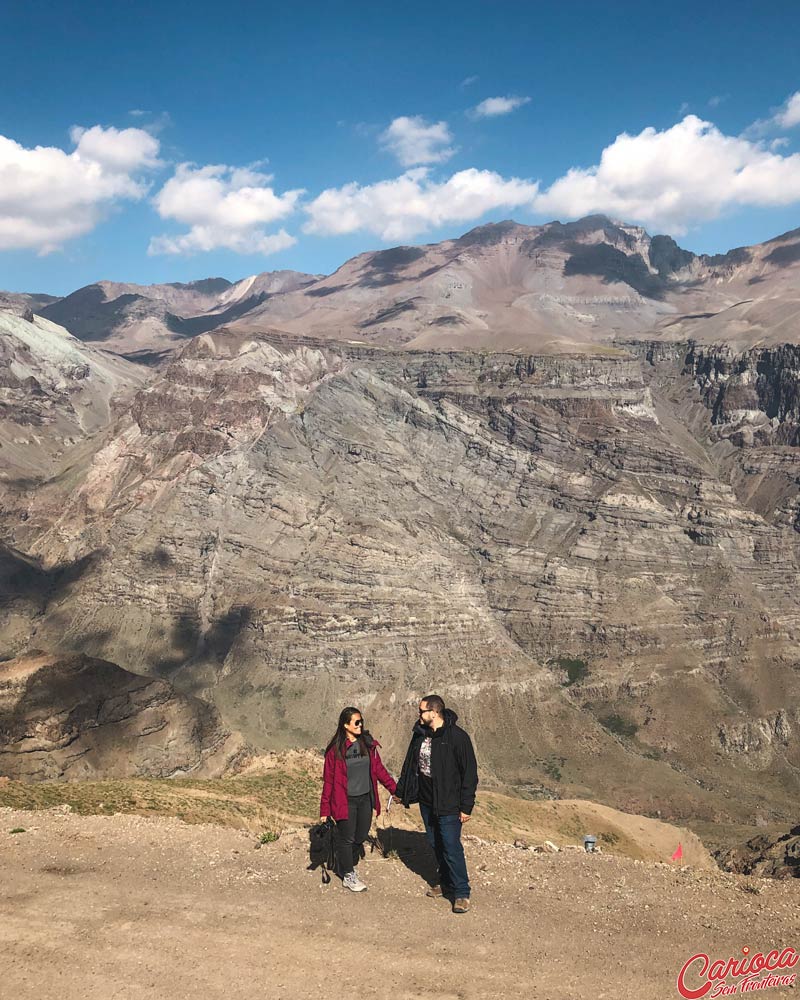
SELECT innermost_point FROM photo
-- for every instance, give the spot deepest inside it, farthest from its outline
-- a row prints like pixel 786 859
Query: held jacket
pixel 454 770
pixel 334 781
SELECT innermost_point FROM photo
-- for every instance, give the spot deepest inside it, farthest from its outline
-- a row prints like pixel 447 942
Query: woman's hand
pixel 324 819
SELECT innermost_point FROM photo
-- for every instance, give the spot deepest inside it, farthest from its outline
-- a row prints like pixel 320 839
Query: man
pixel 441 773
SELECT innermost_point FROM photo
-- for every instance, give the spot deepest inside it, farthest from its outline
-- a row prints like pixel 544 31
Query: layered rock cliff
pixel 571 548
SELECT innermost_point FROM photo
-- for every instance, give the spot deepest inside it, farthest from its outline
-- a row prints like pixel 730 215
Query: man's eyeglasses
pixel 422 711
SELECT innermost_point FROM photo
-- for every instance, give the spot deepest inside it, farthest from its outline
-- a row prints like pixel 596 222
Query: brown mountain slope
pixel 503 286
pixel 135 319
pixel 549 288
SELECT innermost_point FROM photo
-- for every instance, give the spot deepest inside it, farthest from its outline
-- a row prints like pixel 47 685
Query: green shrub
pixel 18 829
pixel 268 838
pixel 617 724
pixel 552 767
pixel 576 669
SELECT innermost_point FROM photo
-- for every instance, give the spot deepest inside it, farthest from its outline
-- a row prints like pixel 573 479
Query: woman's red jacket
pixel 334 783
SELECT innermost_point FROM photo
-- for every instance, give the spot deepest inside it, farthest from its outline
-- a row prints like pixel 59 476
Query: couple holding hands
pixel 439 772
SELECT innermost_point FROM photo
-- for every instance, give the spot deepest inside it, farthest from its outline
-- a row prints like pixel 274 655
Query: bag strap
pixel 331 824
pixel 381 826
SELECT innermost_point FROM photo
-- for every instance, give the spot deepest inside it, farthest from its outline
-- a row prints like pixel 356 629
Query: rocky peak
pixel 206 286
pixel 130 318
pixel 494 233
pixel 667 257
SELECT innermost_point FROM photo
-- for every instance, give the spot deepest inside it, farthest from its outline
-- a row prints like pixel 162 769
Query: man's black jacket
pixel 454 770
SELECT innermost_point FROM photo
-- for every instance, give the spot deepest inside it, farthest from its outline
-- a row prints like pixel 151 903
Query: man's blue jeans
pixel 444 836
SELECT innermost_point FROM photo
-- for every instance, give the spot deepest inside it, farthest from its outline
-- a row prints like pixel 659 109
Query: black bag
pixel 321 849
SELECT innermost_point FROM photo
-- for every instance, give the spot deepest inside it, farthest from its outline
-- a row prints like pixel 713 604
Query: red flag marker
pixel 678 855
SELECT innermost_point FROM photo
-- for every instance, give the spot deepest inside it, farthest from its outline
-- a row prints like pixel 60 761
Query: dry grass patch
pixel 285 791
pixel 259 803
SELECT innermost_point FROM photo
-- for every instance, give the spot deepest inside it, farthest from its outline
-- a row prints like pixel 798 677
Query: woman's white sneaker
pixel 352 882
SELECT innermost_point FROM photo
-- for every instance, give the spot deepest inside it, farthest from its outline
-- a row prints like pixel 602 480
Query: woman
pixel 353 768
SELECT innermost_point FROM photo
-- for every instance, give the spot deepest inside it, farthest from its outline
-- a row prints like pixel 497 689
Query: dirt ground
pixel 128 907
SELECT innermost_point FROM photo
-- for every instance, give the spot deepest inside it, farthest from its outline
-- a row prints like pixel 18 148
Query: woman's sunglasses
pixel 359 722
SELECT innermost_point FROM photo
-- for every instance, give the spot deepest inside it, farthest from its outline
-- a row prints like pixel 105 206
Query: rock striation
pixel 54 392
pixel 563 544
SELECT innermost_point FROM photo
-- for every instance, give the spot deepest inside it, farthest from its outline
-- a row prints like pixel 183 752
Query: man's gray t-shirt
pixel 358 781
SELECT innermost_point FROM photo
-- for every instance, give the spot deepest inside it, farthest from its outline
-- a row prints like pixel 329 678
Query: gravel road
pixel 130 908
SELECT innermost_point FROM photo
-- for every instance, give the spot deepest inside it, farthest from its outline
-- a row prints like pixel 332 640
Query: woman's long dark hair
pixel 340 736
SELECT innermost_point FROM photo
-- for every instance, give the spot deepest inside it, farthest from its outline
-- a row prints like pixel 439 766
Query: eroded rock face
pixel 760 738
pixel 69 717
pixel 54 393
pixel 57 398
pixel 765 856
pixel 288 528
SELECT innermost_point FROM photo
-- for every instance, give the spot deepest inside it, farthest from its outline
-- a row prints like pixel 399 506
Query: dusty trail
pixel 124 908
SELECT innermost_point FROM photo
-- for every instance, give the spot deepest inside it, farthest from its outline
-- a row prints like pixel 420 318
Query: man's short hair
pixel 434 703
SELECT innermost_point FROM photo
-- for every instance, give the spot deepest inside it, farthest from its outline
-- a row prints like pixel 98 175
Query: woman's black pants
pixel 352 832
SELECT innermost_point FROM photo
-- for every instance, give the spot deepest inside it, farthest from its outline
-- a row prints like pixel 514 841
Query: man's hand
pixel 464 817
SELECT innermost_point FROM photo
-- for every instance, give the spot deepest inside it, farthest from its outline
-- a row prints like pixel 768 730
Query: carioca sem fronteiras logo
pixel 700 977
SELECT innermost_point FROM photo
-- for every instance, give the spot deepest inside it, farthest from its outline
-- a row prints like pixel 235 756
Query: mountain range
pixel 501 286
pixel 139 319
pixel 550 471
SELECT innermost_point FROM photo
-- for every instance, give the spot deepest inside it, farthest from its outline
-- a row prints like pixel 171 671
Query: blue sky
pixel 230 139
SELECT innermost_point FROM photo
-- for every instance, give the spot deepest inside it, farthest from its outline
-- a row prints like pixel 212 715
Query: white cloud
pixel 469 80
pixel 789 115
pixel 225 207
pixel 400 208
pixel 413 141
pixel 117 151
pixel 494 106
pixel 671 180
pixel 786 116
pixel 157 122
pixel 49 196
